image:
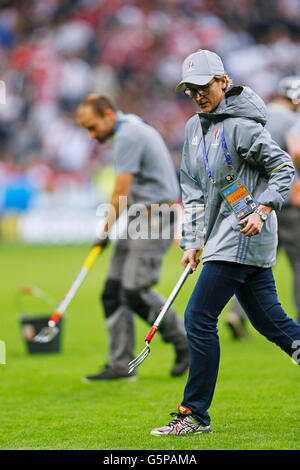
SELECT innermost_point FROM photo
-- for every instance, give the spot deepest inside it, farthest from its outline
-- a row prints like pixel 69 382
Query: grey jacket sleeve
pixel 193 205
pixel 255 144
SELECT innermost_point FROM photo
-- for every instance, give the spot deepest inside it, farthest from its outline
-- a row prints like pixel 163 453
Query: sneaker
pixel 181 364
pixel 183 423
pixel 236 325
pixel 110 374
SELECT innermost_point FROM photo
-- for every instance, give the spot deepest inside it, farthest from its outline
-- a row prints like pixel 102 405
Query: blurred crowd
pixel 54 52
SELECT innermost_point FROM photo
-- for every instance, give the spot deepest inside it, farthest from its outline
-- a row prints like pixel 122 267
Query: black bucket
pixel 31 325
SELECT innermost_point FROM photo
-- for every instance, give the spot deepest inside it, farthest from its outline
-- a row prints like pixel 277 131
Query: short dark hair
pixel 98 103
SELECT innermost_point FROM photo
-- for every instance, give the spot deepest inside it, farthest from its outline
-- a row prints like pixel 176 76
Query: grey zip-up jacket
pixel 265 169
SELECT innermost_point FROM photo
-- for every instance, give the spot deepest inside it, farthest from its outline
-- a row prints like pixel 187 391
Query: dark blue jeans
pixel 218 282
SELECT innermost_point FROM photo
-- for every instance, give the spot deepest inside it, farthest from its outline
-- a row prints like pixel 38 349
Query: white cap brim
pixel 196 80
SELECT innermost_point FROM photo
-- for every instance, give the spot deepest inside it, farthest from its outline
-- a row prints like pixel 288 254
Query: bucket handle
pixel 35 292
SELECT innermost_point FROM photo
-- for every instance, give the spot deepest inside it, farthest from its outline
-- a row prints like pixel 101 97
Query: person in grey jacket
pixel 146 184
pixel 233 176
pixel 282 122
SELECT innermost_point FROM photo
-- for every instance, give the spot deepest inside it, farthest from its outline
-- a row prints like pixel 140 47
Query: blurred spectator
pixel 53 53
pixel 74 83
pixel 66 146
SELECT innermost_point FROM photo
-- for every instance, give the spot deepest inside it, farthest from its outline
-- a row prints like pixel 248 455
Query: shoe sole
pixel 207 431
pixel 128 379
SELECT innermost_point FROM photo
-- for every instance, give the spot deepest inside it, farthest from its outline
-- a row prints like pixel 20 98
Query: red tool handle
pixel 55 317
pixel 151 334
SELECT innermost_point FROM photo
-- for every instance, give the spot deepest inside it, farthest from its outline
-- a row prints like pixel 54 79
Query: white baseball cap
pixel 289 87
pixel 200 67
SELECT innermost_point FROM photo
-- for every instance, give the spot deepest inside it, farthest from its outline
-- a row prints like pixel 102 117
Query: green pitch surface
pixel 44 404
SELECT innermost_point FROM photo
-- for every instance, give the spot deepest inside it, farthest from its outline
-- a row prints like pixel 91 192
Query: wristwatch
pixel 262 214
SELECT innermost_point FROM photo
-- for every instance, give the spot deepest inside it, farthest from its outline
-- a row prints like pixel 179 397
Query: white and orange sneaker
pixel 183 423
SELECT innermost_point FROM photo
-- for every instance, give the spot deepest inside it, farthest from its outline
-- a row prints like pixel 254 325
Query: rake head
pixel 46 335
pixel 139 359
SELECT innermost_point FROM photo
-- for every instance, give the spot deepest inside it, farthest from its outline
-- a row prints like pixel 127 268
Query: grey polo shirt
pixel 140 150
pixel 279 122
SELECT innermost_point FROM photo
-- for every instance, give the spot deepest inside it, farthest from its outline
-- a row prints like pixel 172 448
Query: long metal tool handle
pixel 75 286
pixel 168 303
pixel 170 300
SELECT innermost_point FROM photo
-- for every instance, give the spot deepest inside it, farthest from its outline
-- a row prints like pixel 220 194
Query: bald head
pixel 98 115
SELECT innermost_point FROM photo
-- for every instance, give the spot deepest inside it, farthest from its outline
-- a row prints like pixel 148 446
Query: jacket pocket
pixel 228 214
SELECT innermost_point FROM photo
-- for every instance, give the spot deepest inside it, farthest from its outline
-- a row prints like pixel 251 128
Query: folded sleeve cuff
pixel 271 198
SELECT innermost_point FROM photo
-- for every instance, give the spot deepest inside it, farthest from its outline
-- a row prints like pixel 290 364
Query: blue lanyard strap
pixel 225 150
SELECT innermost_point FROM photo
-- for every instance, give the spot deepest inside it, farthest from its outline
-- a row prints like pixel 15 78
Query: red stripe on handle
pixel 151 334
pixel 26 290
pixel 55 317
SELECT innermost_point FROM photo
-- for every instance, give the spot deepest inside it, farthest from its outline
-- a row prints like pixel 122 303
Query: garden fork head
pixel 46 335
pixel 139 359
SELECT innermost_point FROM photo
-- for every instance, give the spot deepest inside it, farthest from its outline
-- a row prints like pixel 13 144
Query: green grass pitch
pixel 44 404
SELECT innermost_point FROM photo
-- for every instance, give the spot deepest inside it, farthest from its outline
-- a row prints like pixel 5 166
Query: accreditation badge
pixel 238 198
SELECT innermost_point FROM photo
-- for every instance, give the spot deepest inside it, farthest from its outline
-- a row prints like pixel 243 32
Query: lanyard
pixel 225 150
pixel 236 195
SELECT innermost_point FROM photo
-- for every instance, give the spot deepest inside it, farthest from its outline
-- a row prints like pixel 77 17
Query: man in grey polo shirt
pixel 145 176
